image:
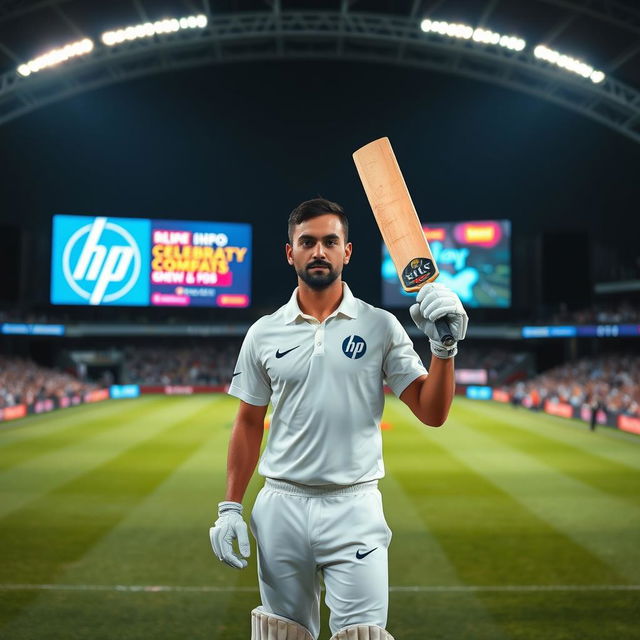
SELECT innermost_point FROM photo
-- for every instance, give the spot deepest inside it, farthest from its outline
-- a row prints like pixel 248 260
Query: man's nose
pixel 318 250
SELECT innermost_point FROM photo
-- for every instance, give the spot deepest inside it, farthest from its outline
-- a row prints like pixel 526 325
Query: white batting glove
pixel 436 301
pixel 229 527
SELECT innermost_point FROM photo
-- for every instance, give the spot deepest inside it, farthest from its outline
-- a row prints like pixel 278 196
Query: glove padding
pixel 229 527
pixel 436 301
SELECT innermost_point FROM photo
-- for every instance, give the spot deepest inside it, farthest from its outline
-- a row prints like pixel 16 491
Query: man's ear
pixel 289 251
pixel 347 253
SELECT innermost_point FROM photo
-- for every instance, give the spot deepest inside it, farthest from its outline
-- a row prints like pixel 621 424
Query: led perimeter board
pixel 474 259
pixel 141 262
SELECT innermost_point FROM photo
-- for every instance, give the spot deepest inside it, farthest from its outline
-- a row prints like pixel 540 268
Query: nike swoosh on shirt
pixel 280 354
pixel 236 374
pixel 361 555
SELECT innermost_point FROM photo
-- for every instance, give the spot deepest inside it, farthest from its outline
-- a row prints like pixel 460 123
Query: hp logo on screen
pixel 104 272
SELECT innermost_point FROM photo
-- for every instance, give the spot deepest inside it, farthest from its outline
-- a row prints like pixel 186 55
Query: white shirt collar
pixel 347 307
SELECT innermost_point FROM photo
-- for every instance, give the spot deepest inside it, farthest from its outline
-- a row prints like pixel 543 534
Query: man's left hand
pixel 437 301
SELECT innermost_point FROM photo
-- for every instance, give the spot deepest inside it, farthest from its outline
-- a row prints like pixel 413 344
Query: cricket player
pixel 321 360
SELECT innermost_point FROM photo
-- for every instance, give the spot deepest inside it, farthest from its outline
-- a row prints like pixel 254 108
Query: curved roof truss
pixel 324 35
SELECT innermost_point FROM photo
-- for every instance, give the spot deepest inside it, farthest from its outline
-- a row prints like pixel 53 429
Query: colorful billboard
pixel 474 259
pixel 141 262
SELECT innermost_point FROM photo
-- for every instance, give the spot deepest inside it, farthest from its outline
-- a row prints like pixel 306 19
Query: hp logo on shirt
pixel 354 347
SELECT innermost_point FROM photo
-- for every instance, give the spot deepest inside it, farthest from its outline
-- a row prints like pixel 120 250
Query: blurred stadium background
pixel 151 153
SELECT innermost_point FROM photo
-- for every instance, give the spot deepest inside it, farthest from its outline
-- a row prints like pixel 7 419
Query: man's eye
pixel 331 242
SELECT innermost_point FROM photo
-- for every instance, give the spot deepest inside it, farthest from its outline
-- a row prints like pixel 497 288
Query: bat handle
pixel 444 332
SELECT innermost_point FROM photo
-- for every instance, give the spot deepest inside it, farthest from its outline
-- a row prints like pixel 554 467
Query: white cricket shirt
pixel 325 383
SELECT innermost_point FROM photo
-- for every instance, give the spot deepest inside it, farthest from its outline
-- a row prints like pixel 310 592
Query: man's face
pixel 318 251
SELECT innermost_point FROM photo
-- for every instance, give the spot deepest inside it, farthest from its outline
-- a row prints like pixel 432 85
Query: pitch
pixel 508 525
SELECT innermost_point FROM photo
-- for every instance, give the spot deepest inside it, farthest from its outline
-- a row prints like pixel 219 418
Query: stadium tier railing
pixel 501 331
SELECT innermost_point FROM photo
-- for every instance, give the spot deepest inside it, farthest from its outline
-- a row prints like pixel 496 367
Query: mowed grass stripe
pixel 491 539
pixel 196 616
pixel 565 615
pixel 605 525
pixel 42 539
pixel 163 540
pixel 75 429
pixel 618 480
pixel 182 503
pixel 35 426
pixel 416 558
pixel 619 447
pixel 176 516
pixel 489 536
pixel 35 477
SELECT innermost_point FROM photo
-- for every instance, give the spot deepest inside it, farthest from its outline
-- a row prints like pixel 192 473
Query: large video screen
pixel 141 262
pixel 474 259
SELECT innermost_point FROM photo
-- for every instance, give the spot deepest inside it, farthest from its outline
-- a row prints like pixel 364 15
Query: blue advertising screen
pixel 140 262
pixel 474 259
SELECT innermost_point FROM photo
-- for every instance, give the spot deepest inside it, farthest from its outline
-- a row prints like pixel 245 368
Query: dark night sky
pixel 247 142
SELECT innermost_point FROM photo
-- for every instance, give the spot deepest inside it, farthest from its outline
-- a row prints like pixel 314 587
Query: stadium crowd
pixel 601 312
pixel 622 313
pixel 25 382
pixel 611 383
pixel 207 365
pixel 496 362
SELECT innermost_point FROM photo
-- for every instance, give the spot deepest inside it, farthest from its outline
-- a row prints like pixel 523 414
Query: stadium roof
pixel 605 34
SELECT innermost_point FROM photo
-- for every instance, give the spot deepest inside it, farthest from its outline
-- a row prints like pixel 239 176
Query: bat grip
pixel 444 332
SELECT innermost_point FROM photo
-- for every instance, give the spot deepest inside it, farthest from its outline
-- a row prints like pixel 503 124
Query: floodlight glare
pixel 567 62
pixel 149 29
pixel 511 42
pixel 466 32
pixel 488 37
pixel 56 56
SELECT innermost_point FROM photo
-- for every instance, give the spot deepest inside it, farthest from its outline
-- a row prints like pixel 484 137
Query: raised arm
pixel 430 397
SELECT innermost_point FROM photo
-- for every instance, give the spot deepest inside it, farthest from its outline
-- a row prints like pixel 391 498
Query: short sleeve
pixel 250 380
pixel 401 365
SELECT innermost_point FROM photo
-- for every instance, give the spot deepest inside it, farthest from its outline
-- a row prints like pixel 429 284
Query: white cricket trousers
pixel 339 533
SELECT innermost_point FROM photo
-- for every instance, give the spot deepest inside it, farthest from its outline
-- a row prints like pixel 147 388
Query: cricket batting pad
pixel 268 626
pixel 362 632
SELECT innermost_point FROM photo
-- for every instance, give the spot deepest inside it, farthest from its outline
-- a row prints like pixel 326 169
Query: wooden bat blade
pixel 395 214
pixel 398 220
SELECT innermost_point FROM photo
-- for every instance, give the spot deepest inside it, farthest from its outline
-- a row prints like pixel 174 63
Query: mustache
pixel 318 263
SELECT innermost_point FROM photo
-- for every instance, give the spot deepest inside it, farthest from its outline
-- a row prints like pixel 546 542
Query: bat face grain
pixel 395 214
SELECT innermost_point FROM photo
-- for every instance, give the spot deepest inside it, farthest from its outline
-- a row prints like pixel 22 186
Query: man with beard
pixel 321 360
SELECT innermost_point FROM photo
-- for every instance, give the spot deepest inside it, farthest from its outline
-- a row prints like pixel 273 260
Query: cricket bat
pixel 398 221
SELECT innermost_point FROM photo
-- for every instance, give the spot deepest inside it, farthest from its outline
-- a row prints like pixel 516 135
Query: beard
pixel 318 280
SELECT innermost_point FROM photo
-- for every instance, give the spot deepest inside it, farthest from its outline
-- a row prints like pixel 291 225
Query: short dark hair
pixel 314 208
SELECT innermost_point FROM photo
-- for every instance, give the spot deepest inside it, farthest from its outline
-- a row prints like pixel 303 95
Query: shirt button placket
pixel 319 341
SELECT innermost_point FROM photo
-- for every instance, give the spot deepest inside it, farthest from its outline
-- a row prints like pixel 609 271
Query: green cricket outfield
pixel 508 525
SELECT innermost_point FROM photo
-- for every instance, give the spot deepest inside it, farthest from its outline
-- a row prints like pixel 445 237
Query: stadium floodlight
pixel 466 32
pixel 56 56
pixel 150 29
pixel 568 63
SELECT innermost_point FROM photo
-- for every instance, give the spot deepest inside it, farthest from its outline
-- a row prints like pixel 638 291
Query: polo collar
pixel 347 307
